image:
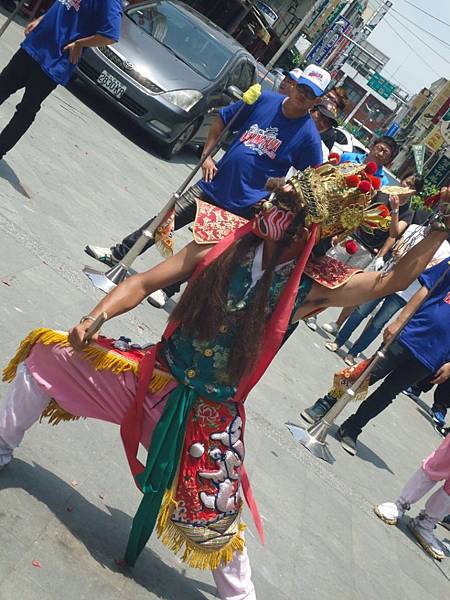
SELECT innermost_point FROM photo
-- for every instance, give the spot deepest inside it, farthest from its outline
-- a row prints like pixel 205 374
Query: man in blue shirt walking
pixel 273 134
pixel 421 350
pixel 47 57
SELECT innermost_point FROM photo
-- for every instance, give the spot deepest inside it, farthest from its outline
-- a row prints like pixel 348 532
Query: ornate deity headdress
pixel 338 197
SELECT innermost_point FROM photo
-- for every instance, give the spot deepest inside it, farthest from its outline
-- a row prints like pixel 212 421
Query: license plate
pixel 113 85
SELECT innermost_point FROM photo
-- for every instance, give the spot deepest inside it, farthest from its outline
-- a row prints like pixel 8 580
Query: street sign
pixel 323 48
pixel 446 117
pixel 392 130
pixel 419 156
pixel 270 16
pixel 381 85
pixel 437 106
pixel 434 139
pixel 445 131
pixel 439 172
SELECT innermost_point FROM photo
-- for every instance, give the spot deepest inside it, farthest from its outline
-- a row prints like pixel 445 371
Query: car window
pixel 247 76
pixel 242 76
pixel 175 30
pixel 234 77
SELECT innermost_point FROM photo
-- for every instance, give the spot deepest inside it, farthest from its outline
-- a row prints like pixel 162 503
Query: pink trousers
pixel 437 465
pixel 52 372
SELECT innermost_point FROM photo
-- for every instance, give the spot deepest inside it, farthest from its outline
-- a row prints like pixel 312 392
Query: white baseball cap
pixel 314 77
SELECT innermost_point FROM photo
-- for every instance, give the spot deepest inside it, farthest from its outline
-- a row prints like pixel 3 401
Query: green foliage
pixel 290 59
pixel 418 200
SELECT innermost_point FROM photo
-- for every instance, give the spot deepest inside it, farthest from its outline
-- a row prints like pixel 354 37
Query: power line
pixel 421 28
pixel 427 13
pixel 413 50
pixel 424 42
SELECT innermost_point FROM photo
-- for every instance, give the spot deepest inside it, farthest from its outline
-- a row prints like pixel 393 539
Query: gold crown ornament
pixel 338 197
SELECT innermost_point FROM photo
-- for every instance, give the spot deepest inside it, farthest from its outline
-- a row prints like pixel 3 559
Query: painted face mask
pixel 272 222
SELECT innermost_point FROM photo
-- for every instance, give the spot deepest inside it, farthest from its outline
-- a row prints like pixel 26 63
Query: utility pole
pixel 293 35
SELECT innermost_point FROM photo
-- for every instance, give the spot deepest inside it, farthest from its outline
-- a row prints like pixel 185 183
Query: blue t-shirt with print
pixel 267 145
pixel 356 157
pixel 65 22
pixel 427 335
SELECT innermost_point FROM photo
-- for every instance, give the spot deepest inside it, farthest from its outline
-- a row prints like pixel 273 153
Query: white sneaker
pixel 426 539
pixel 389 512
pixel 311 322
pixel 330 328
pixel 350 360
pixel 332 346
pixel 104 255
pixel 158 299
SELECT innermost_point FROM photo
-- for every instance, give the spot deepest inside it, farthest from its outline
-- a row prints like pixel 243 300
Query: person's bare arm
pixel 394 234
pixel 93 41
pixel 396 228
pixel 363 287
pixel 209 168
pixel 133 290
pixel 32 25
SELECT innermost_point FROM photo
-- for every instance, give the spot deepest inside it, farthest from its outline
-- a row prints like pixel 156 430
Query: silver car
pixel 170 71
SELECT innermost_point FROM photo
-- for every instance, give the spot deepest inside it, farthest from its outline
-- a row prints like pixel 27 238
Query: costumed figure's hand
pixel 77 335
pixel 442 374
pixel 31 25
pixel 74 49
pixel 209 169
pixel 390 331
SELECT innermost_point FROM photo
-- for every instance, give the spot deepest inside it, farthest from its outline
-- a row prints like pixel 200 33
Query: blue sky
pixel 416 66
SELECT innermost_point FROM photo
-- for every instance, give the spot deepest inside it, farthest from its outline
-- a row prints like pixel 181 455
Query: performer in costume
pixel 184 399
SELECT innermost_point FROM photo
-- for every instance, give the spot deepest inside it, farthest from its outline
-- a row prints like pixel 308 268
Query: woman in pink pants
pixel 434 468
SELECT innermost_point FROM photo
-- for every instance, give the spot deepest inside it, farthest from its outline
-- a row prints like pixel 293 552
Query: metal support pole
pixel 356 107
pixel 314 437
pixel 11 17
pixel 293 35
pixel 108 281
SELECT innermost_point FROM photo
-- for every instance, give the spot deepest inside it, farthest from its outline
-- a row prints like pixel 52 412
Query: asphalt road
pixel 81 175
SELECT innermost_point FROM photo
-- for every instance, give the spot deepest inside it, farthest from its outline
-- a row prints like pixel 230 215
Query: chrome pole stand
pixel 314 438
pixel 109 280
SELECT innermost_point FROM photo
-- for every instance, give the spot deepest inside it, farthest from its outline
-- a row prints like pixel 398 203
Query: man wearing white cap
pixel 273 134
pixel 289 80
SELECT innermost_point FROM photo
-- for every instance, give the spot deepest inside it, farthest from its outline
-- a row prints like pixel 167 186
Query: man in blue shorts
pixel 47 57
pixel 273 134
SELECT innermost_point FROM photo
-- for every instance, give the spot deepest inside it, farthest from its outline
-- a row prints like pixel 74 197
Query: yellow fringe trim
pixel 101 358
pixel 55 414
pixel 194 555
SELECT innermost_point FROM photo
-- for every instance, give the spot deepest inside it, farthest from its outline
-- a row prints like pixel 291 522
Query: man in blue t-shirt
pixel 382 153
pixel 421 350
pixel 47 57
pixel 273 134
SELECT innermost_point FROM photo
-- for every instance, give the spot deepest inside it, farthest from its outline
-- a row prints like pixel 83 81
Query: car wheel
pixel 169 150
